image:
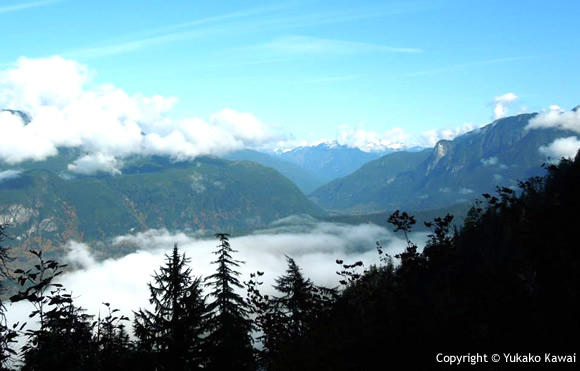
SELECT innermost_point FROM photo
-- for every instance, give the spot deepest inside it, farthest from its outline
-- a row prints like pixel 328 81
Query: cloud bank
pixel 106 123
pixel 556 118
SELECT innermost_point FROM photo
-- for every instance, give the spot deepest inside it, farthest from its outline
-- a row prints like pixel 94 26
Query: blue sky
pixel 313 68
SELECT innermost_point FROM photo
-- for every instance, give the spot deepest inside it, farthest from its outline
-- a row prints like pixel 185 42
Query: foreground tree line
pixel 506 281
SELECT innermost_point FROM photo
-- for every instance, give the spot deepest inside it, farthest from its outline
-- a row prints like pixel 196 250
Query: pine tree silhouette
pixel 170 336
pixel 229 342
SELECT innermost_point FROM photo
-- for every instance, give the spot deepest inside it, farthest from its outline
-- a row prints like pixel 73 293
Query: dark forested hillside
pixel 506 282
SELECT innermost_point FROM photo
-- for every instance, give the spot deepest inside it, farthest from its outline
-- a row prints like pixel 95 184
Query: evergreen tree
pixel 229 340
pixel 170 336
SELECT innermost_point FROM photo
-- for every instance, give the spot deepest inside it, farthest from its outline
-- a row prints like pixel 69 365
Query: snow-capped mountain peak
pixel 370 146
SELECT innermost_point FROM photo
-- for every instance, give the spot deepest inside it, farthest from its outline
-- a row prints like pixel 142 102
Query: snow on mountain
pixel 372 146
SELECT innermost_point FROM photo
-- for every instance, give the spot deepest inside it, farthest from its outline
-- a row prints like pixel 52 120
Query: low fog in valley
pixel 315 245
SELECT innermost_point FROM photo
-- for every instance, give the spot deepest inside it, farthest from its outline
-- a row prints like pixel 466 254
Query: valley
pixel 47 205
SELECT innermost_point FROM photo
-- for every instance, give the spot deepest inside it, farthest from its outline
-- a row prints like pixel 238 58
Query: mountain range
pixel 331 160
pixel 501 153
pixel 204 194
pixel 310 167
pixel 305 179
pixel 48 205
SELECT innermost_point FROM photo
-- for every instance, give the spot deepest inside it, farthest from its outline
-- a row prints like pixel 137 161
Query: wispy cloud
pixel 312 45
pixel 249 62
pixel 345 15
pixel 212 20
pixel 457 67
pixel 260 19
pixel 131 46
pixel 23 6
pixel 328 79
pixel 214 25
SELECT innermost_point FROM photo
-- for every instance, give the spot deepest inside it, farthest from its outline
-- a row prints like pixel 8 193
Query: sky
pixel 187 78
pixel 279 74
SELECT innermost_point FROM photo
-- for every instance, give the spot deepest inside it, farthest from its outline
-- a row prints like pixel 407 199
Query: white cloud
pixel 562 147
pixel 42 82
pixel 431 137
pixel 242 126
pixel 95 162
pixel 502 103
pixel 9 174
pixel 105 122
pixel 19 142
pixel 563 120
